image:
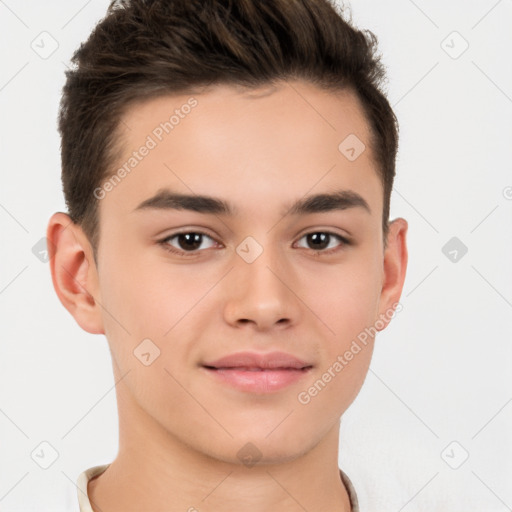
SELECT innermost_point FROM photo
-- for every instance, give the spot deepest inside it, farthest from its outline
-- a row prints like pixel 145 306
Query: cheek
pixel 146 297
pixel 344 300
pixel 150 308
pixel 347 307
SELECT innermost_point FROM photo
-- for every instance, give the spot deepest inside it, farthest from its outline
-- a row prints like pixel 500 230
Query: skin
pixel 179 428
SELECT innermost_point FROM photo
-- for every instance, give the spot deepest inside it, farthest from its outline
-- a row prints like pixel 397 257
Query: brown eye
pixel 190 241
pixel 186 242
pixel 322 240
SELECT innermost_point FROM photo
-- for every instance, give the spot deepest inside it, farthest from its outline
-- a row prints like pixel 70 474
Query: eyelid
pixel 331 230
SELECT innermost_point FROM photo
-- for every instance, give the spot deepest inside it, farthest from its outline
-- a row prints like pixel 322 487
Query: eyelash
pixel 189 254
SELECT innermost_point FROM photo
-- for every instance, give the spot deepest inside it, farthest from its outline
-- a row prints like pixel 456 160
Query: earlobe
pixel 74 272
pixel 394 270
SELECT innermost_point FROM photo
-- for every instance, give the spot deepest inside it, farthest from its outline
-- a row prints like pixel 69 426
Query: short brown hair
pixel 143 49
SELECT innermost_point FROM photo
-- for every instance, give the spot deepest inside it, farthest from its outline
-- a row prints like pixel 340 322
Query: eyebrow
pixel 168 200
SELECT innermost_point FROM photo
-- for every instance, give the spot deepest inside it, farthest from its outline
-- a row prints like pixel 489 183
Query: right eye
pixel 186 240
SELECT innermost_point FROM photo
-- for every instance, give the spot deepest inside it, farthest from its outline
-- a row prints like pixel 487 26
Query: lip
pixel 258 373
pixel 270 360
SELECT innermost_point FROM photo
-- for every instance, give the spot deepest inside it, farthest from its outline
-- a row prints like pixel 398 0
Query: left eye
pixel 319 239
pixel 190 242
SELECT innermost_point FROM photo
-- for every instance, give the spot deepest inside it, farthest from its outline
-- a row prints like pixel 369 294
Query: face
pixel 256 266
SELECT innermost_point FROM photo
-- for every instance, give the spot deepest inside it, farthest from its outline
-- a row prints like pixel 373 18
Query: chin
pixel 258 450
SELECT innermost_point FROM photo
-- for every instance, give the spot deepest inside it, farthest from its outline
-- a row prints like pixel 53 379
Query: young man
pixel 228 168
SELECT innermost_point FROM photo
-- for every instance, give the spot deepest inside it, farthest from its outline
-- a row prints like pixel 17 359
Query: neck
pixel 155 471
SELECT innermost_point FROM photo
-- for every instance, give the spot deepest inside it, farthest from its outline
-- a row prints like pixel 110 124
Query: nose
pixel 263 294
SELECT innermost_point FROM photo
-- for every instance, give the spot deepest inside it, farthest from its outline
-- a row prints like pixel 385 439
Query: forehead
pixel 277 141
pixel 280 103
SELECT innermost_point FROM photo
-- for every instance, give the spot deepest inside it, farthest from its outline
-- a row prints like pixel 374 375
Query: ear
pixel 74 273
pixel 394 267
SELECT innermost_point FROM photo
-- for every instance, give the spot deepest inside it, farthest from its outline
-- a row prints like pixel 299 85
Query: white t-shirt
pixel 88 474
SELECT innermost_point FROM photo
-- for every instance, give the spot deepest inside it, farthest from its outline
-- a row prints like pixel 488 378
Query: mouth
pixel 255 373
pixel 254 368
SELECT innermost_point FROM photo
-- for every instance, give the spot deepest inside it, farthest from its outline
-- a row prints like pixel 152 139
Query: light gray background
pixel 441 372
